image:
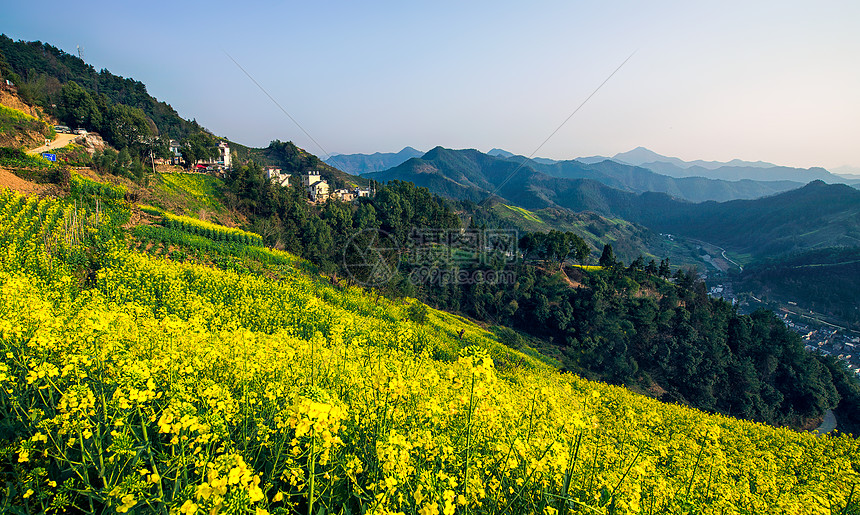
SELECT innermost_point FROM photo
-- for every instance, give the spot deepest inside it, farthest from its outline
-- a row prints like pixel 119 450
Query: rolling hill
pixel 816 216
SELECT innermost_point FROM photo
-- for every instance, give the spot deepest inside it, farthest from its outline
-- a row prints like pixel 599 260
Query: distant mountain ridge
pixel 814 216
pixel 641 155
pixel 473 170
pixel 357 164
pixel 734 170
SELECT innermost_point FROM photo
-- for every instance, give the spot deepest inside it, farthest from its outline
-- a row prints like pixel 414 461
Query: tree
pixel 530 242
pixel 664 271
pixel 390 207
pixel 607 258
pixel 78 108
pixel 318 241
pixel 556 247
pixel 651 268
pixel 579 247
pixel 127 127
pixel 365 217
pixel 200 145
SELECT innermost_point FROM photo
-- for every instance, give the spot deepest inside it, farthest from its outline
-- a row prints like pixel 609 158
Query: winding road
pixel 59 142
pixel 729 259
pixel 722 252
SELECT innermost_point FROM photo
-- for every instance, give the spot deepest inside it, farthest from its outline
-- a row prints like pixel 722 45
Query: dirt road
pixel 61 141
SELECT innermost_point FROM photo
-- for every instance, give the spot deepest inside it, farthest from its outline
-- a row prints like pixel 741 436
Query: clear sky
pixel 777 81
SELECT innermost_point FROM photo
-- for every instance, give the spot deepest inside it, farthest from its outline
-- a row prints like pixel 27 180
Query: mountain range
pixel 473 174
pixel 357 164
pixel 734 170
pixel 641 170
pixel 641 155
pixel 813 216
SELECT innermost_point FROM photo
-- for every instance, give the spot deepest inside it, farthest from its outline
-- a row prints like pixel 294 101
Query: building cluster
pixel 317 188
pixel 829 341
pixel 723 291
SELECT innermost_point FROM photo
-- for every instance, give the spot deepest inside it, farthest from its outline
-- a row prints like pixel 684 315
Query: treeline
pixel 638 324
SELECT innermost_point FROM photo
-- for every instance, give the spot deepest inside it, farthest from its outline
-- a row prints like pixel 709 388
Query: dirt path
pixel 61 141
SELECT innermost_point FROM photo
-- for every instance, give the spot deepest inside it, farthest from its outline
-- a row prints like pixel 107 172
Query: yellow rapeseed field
pixel 148 386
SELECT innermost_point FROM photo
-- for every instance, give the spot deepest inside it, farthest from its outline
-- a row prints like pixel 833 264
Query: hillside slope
pixel 40 70
pixel 817 215
pixel 182 387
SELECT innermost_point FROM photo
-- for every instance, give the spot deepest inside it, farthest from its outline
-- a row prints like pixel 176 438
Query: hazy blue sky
pixel 777 81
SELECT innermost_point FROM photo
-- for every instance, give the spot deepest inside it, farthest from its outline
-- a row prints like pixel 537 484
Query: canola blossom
pixel 207 229
pixel 149 386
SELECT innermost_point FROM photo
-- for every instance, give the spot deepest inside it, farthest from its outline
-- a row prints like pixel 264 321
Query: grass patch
pixel 189 194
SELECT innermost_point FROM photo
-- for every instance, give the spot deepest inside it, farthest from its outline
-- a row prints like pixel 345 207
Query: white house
pixel 278 177
pixel 175 153
pixel 310 178
pixel 319 191
pixel 316 186
pixel 224 158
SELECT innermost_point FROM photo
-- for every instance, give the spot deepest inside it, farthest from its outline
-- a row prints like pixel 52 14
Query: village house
pixel 344 195
pixel 224 158
pixel 319 191
pixel 175 153
pixel 278 177
pixel 317 188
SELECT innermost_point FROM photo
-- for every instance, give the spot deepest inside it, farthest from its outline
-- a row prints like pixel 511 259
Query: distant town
pixel 826 340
